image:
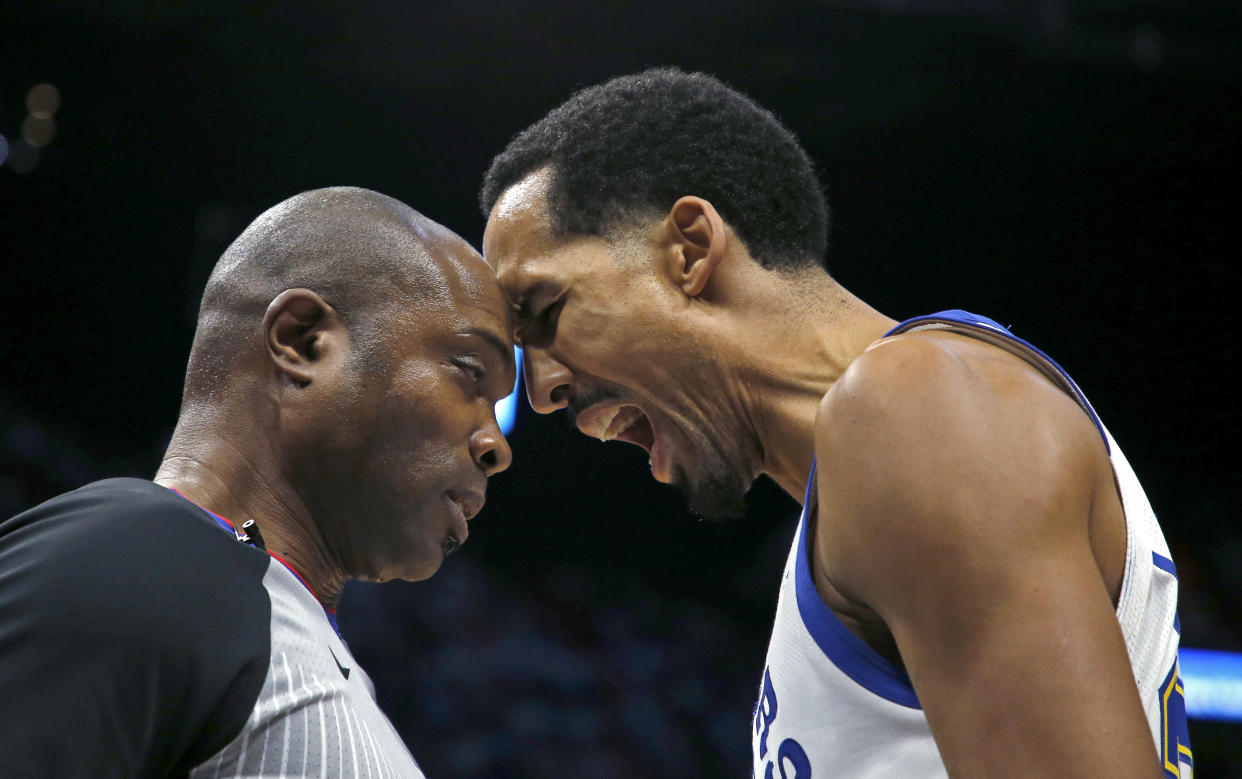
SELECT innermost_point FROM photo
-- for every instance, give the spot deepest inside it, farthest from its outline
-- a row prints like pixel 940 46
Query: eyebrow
pixel 502 349
pixel 521 306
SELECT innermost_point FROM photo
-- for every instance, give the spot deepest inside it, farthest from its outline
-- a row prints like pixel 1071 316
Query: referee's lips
pixel 463 506
pixel 470 501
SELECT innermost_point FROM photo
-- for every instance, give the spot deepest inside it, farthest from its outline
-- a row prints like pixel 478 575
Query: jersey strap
pixel 966 323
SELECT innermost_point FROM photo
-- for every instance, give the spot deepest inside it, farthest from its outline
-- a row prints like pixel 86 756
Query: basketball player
pixel 337 423
pixel 978 586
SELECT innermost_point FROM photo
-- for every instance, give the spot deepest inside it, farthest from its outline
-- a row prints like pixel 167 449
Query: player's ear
pixel 302 332
pixel 697 236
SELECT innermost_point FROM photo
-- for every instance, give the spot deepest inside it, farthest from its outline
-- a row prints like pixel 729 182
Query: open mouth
pixel 620 423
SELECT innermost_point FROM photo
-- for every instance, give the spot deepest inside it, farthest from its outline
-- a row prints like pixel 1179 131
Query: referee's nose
pixel 489 449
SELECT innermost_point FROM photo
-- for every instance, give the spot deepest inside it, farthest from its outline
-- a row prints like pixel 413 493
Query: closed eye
pixel 540 329
pixel 472 369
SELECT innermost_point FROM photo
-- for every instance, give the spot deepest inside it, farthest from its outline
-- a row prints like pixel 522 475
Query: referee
pixel 337 423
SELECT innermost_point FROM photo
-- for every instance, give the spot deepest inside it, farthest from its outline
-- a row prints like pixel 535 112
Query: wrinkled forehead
pixel 519 244
pixel 467 285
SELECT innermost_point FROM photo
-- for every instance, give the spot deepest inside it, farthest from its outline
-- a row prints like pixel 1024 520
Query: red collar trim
pixel 277 557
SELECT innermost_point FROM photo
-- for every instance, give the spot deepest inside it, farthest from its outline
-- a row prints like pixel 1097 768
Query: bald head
pixel 342 385
pixel 370 257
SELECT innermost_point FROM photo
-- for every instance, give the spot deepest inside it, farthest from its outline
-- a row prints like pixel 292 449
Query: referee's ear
pixel 302 332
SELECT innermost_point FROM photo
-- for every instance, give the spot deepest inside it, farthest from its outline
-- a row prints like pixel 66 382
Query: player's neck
pixel 795 359
pixel 241 482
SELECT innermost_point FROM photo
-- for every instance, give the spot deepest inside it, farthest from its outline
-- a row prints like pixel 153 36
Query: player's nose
pixel 548 381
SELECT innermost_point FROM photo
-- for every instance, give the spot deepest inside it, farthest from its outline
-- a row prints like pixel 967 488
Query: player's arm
pixel 955 498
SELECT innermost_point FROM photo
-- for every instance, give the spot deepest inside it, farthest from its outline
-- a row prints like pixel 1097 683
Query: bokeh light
pixel 38 131
pixel 1213 683
pixel 23 158
pixel 43 101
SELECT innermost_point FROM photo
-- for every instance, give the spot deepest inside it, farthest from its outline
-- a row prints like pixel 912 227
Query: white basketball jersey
pixel 830 706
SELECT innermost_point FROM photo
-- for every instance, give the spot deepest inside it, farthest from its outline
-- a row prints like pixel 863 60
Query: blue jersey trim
pixel 846 651
pixel 221 521
pixel 1164 563
pixel 228 527
pixel 952 315
pixel 958 316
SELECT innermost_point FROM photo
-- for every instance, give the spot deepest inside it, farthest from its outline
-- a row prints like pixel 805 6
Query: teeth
pixel 622 420
pixel 604 422
pixel 613 423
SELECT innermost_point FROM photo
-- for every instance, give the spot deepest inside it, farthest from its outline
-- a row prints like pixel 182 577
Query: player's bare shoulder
pixel 934 435
pixel 901 383
pixel 903 387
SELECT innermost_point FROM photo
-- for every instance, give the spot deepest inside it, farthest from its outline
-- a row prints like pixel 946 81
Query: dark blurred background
pixel 1069 167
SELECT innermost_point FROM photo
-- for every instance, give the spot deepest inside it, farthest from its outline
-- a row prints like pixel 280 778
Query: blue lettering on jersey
pixel 1174 734
pixel 765 712
pixel 790 753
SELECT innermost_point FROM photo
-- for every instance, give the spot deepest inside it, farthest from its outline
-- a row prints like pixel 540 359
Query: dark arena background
pixel 1069 167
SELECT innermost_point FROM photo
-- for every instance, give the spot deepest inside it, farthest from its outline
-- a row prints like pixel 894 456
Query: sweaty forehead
pixel 467 281
pixel 519 227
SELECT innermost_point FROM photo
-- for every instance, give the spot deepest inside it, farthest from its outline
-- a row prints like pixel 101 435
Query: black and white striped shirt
pixel 138 639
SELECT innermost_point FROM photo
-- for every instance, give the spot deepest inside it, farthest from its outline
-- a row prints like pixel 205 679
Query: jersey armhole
pixel 846 651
